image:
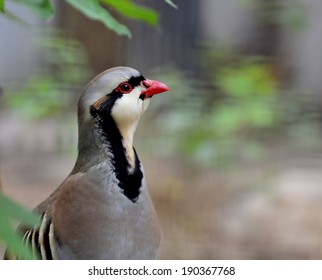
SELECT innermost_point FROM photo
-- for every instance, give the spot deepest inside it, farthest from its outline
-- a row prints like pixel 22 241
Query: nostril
pixel 147 83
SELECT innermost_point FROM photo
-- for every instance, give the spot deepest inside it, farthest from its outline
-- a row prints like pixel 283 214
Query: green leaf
pixel 93 10
pixel 11 212
pixel 133 11
pixel 12 240
pixel 2 6
pixel 169 2
pixel 43 8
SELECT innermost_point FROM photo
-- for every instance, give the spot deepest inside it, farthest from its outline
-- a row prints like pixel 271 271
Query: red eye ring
pixel 124 88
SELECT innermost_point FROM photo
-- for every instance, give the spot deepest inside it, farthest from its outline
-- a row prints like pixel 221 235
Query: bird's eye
pixel 125 88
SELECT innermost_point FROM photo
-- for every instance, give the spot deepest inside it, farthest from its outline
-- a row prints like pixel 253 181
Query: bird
pixel 103 209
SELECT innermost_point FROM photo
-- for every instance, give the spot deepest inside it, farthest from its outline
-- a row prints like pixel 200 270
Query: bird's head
pixel 121 92
pixel 109 110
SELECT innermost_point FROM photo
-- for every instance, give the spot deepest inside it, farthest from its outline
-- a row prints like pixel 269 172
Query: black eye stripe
pixel 135 81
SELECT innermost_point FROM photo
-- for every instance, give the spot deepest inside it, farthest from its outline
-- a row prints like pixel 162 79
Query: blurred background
pixel 232 154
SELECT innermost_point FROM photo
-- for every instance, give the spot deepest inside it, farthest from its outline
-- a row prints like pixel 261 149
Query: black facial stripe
pixel 129 183
pixel 109 103
pixel 135 81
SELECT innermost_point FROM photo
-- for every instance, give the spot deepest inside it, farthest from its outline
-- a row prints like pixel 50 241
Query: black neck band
pixel 129 183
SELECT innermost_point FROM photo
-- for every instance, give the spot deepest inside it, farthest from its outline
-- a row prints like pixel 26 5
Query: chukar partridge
pixel 103 210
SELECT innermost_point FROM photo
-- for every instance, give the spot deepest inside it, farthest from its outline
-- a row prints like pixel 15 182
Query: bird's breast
pixel 109 225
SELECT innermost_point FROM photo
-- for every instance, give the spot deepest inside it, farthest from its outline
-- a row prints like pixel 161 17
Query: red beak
pixel 154 87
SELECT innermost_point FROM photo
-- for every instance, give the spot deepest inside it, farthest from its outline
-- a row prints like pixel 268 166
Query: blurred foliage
pixel 10 214
pixel 49 90
pixel 2 6
pixel 238 109
pixel 251 92
pixel 95 10
pixel 289 13
pixel 42 8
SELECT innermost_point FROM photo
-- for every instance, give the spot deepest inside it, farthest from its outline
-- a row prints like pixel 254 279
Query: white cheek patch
pixel 129 108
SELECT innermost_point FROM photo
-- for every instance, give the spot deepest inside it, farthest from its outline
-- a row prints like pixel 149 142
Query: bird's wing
pixel 41 239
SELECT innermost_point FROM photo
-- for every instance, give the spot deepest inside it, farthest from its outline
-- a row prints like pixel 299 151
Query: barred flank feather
pixel 42 240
